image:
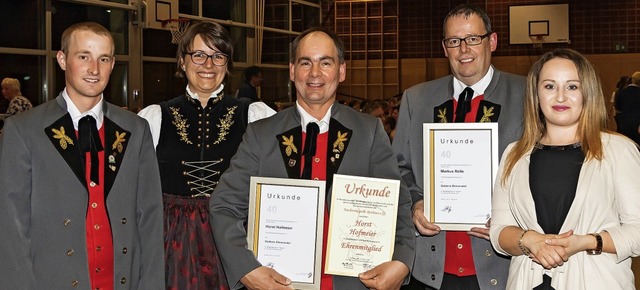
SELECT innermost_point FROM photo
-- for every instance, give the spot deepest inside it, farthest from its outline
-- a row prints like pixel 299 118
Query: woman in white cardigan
pixel 566 203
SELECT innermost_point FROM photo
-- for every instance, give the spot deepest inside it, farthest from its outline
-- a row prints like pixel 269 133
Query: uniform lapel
pixel 116 140
pixel 493 84
pixel 487 112
pixel 290 148
pixel 339 138
pixel 62 135
pixel 444 112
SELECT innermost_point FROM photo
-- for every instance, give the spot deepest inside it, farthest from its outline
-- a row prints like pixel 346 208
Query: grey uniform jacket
pixel 420 103
pixel 44 199
pixel 366 152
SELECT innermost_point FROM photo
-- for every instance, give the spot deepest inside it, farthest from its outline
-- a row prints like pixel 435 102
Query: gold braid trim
pixel 181 125
pixel 62 136
pixel 442 115
pixel 225 124
pixel 487 113
pixel 290 146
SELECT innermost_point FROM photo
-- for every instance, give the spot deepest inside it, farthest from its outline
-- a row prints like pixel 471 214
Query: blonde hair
pixel 90 26
pixel 635 78
pixel 592 121
pixel 13 85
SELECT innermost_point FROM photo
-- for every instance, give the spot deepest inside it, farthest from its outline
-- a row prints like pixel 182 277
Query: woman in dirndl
pixel 196 134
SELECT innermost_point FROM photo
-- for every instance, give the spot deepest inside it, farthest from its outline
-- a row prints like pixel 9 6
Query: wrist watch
pixel 598 249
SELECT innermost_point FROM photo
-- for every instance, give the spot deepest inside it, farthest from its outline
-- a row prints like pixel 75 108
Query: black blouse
pixel 553 179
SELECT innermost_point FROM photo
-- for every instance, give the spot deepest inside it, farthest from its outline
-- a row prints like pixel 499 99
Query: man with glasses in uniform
pixel 475 92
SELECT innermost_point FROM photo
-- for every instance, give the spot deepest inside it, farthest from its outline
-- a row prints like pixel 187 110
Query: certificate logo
pixel 347 265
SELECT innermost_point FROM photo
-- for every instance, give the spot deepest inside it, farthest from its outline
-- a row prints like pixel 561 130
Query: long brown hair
pixel 593 118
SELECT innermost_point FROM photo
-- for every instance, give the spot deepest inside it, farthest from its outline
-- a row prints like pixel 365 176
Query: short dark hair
pixel 466 10
pixel 336 40
pixel 250 72
pixel 370 107
pixel 213 34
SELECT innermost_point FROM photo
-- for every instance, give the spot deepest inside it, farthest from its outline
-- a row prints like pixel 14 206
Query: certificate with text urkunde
pixel 286 218
pixel 460 165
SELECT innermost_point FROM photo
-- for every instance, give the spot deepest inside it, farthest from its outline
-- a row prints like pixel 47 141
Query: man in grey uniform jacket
pixel 457 260
pixel 356 144
pixel 59 215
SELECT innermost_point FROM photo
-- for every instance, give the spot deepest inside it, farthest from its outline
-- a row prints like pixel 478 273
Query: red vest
pixel 98 228
pixel 458 259
pixel 319 172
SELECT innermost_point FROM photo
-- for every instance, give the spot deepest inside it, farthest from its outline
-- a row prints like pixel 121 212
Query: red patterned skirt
pixel 191 257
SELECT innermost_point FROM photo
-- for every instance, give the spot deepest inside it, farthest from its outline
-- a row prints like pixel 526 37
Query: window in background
pixel 19 31
pixel 239 36
pixel 160 83
pixel 29 70
pixel 275 47
pixel 157 43
pixel 221 9
pixel 65 14
pixel 276 14
pixel 304 16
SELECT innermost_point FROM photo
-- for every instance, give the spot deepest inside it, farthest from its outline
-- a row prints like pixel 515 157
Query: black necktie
pixel 309 148
pixel 464 104
pixel 90 142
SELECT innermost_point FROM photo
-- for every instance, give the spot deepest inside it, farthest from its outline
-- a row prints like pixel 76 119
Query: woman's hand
pixel 572 244
pixel 547 255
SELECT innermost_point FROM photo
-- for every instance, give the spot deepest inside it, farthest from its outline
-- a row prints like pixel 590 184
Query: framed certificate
pixel 460 166
pixel 286 218
pixel 362 224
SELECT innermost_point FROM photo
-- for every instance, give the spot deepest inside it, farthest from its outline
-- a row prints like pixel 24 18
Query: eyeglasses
pixel 472 40
pixel 200 58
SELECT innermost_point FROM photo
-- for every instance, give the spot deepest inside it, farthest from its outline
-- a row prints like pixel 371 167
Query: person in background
pixel 248 90
pixel 374 109
pixel 4 105
pixel 355 104
pixel 347 142
pixel 195 136
pixel 627 105
pixel 80 204
pixel 476 92
pixel 565 203
pixel 393 102
pixel 11 92
pixel 622 83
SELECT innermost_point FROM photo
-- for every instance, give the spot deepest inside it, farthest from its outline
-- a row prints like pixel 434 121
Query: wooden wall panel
pixel 412 71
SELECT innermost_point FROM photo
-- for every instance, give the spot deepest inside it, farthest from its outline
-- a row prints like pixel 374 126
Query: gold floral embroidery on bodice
pixel 181 124
pixel 225 124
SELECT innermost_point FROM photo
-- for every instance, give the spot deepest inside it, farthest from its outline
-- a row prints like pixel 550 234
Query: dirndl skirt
pixel 191 257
